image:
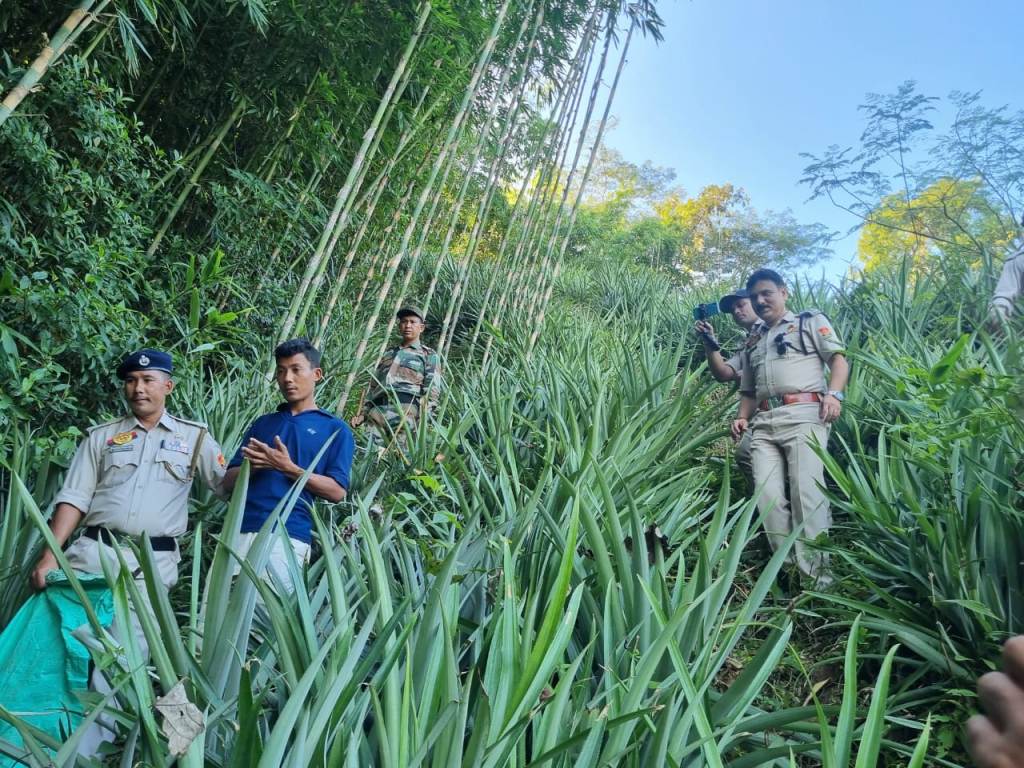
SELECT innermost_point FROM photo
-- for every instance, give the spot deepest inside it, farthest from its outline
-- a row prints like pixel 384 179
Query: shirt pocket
pixel 118 467
pixel 413 364
pixel 174 466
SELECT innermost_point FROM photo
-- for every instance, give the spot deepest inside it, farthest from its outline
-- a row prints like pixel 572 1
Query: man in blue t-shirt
pixel 282 445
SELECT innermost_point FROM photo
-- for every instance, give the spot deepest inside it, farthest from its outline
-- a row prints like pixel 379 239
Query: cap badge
pixel 143 360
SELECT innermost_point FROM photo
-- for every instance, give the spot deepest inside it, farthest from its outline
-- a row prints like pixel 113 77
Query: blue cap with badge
pixel 145 360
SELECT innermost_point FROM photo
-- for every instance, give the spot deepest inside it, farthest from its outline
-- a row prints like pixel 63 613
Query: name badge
pixel 120 448
pixel 175 445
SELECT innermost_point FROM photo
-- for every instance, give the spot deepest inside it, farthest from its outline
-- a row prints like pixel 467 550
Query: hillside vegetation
pixel 564 570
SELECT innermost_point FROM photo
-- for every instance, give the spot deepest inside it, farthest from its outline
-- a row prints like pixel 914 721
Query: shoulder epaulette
pixel 94 427
pixel 190 422
pixel 807 314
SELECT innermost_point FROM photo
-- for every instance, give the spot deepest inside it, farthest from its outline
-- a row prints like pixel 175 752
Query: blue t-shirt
pixel 304 434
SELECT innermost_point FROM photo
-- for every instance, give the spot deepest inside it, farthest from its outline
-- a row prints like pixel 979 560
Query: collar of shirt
pixel 166 421
pixel 415 345
pixel 286 409
pixel 789 317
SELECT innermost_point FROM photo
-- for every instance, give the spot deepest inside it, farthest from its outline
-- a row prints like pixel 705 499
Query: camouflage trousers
pixel 392 423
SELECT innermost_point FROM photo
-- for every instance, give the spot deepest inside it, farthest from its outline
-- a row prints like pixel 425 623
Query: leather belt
pixel 790 399
pixel 107 536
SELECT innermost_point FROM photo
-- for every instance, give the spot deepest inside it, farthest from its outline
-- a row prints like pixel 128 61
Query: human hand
pixel 997 739
pixel 829 409
pixel 357 420
pixel 705 330
pixel 739 426
pixel 46 564
pixel 263 456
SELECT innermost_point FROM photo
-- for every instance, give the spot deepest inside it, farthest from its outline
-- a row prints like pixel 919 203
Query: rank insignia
pixel 123 438
pixel 825 331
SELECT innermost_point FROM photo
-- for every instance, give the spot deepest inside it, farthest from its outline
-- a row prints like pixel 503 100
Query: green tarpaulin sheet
pixel 42 663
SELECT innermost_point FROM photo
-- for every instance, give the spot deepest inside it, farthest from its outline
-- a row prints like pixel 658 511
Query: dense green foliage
pixel 563 571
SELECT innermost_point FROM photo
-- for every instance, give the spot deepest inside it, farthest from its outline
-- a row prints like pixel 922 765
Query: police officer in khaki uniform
pixel 738 305
pixel 130 477
pixel 783 383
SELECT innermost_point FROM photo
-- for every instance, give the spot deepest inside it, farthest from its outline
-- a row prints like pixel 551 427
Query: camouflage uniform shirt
pixel 414 371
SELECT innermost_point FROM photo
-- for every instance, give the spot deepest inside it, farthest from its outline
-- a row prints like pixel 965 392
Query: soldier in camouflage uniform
pixel 405 386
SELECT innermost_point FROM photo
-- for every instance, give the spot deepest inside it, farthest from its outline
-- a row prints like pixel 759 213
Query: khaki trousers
pixel 781 450
pixel 743 458
pixel 85 555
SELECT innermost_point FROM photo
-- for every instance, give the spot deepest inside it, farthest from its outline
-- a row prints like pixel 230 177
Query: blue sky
pixel 739 88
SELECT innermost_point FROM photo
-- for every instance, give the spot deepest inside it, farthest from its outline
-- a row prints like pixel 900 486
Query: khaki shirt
pixel 130 480
pixel 736 361
pixel 769 374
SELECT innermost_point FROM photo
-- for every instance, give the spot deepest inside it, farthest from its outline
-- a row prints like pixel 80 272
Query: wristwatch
pixel 837 394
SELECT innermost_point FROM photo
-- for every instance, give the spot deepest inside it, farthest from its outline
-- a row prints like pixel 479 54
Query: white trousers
pixel 277 563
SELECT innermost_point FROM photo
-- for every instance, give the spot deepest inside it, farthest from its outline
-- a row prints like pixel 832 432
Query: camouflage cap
pixel 411 309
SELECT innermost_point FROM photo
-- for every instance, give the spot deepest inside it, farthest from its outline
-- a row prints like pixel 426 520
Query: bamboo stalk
pixel 321 272
pixel 521 213
pixel 547 188
pixel 90 17
pixel 193 180
pixel 482 141
pixel 453 134
pixel 349 259
pixel 537 288
pixel 583 183
pixel 337 220
pixel 539 208
pixel 493 177
pixel 376 190
pixel 46 59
